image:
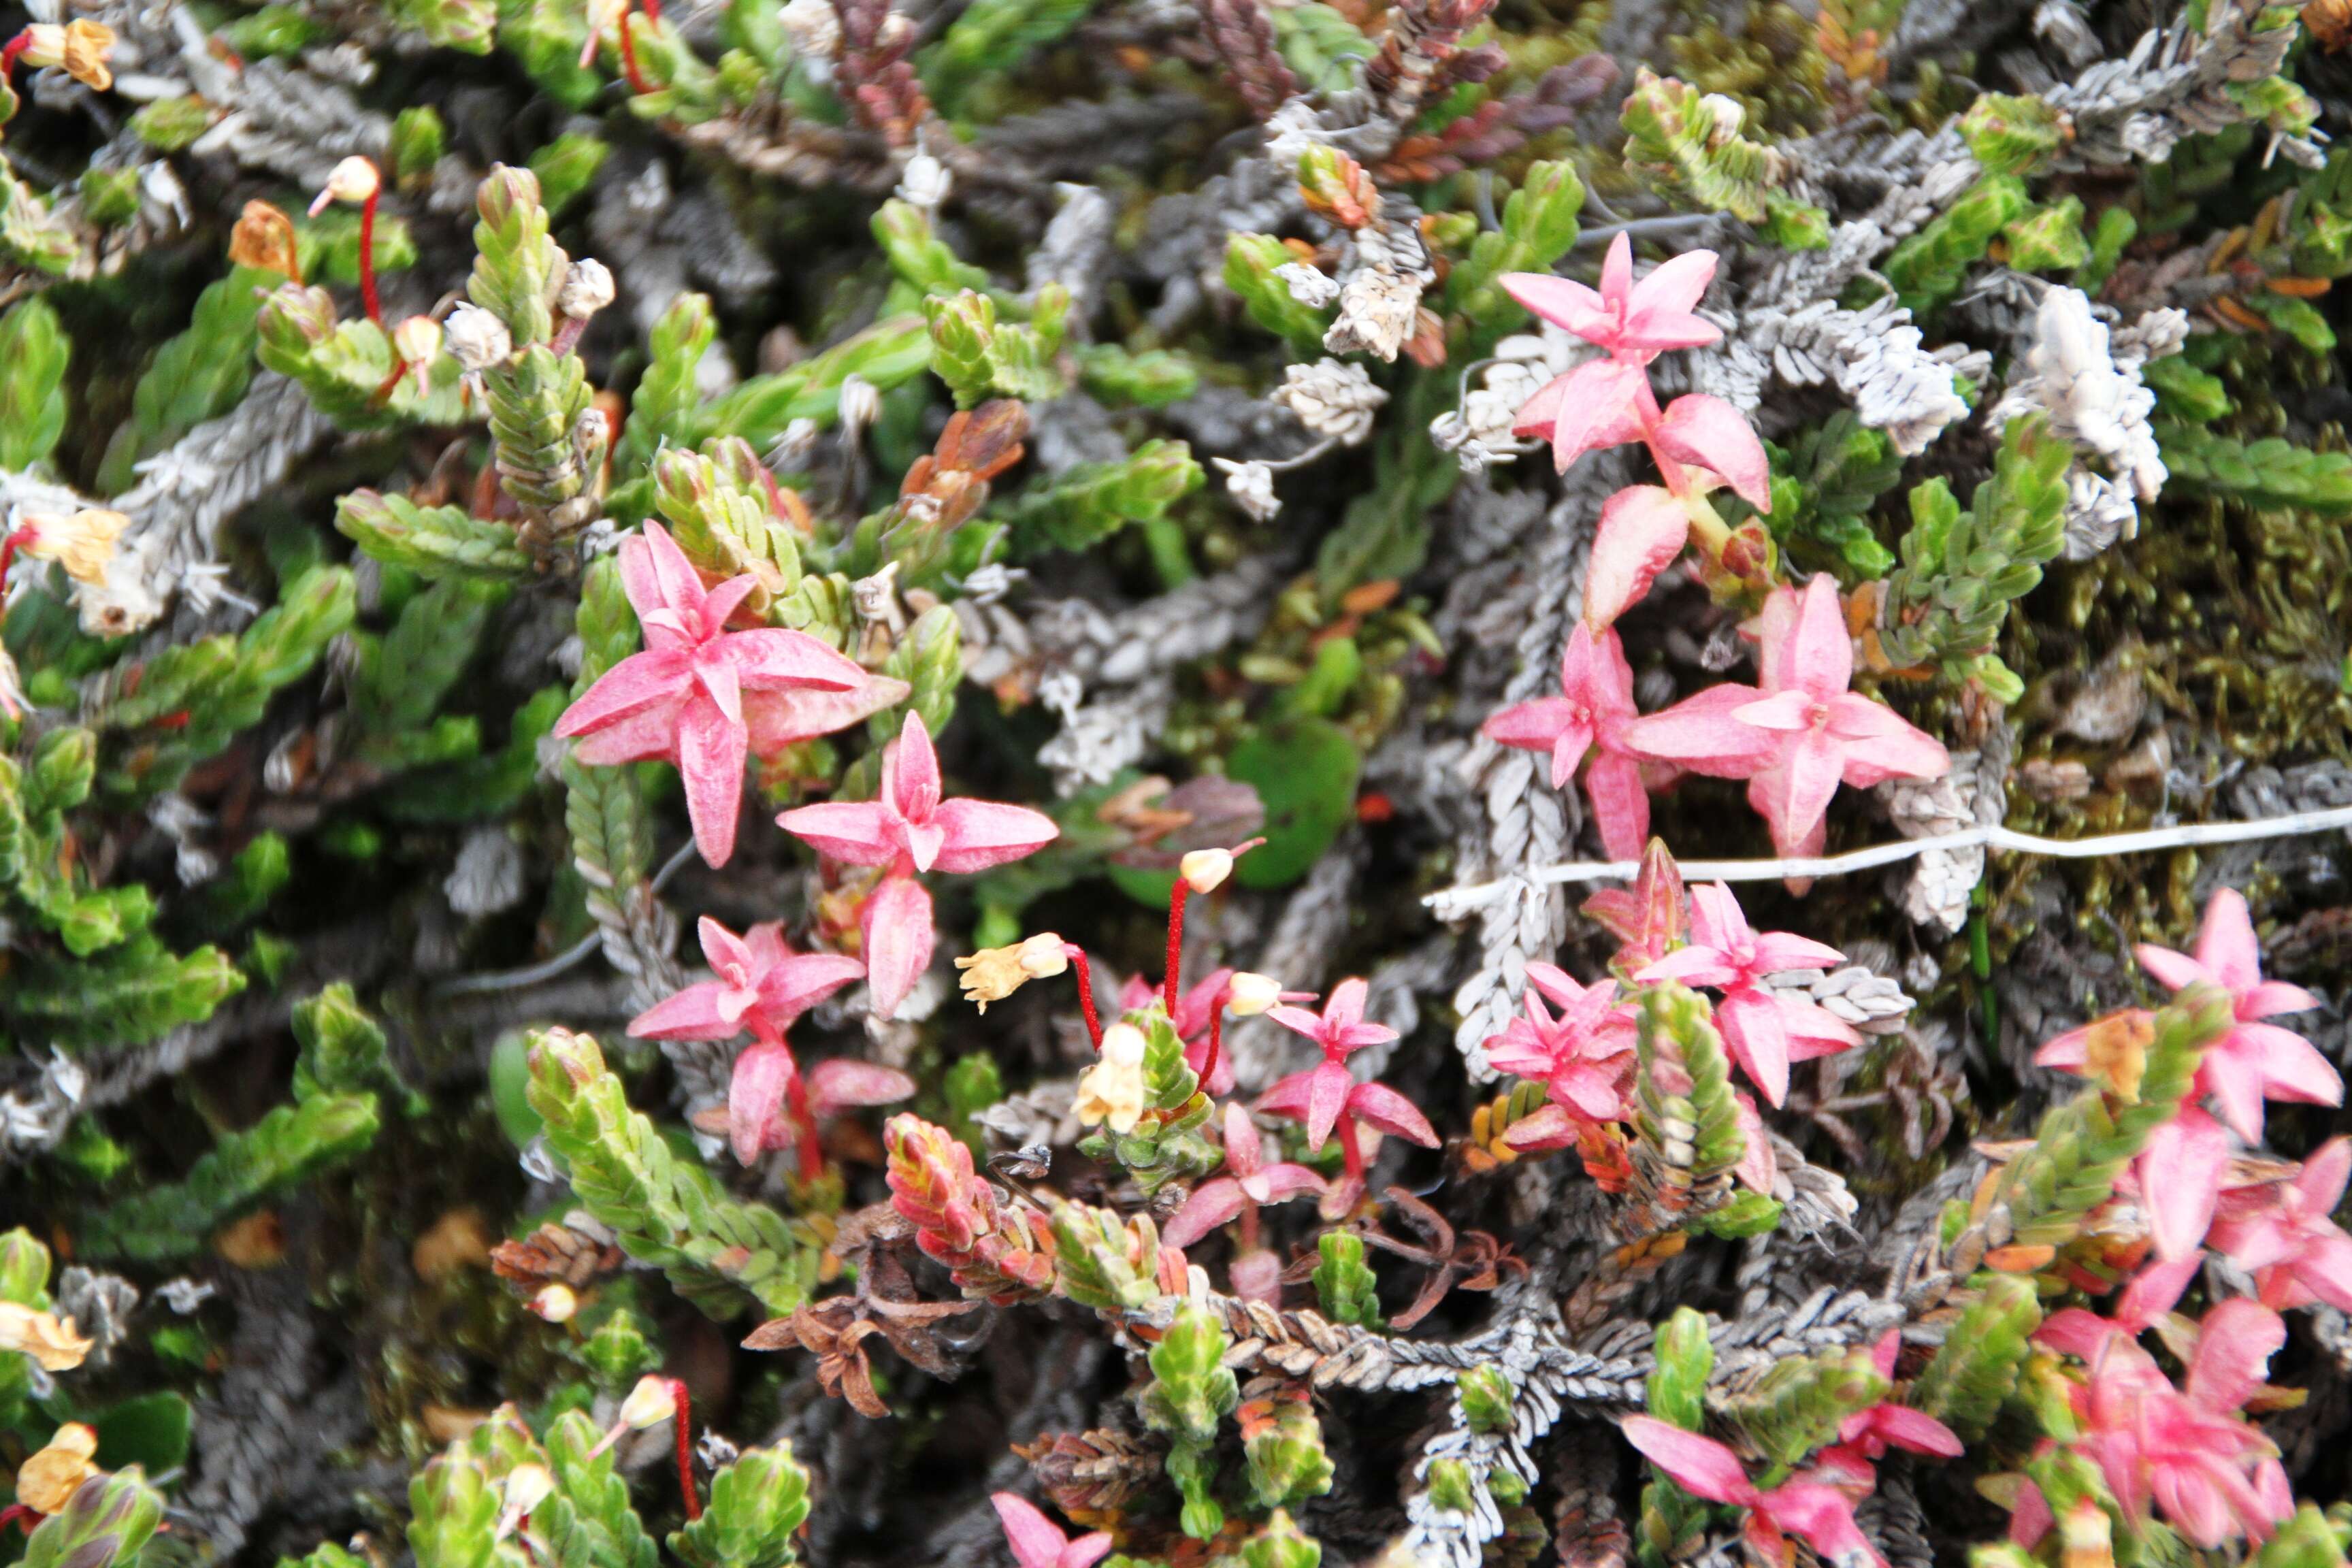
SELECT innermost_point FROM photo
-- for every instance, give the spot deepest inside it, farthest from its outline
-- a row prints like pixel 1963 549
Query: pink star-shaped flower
pixel 1038 1542
pixel 1636 322
pixel 2285 1238
pixel 1249 1183
pixel 2254 1062
pixel 1813 1507
pixel 704 698
pixel 1327 1096
pixel 1583 1058
pixel 1803 732
pixel 907 829
pixel 762 985
pixel 771 1104
pixel 1764 1029
pixel 1589 715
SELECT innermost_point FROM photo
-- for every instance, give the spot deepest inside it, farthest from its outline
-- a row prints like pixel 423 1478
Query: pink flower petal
pixel 1779 949
pixel 1391 1114
pixel 2180 1173
pixel 1821 1517
pixel 721 603
pixel 711 751
pixel 1598 407
pixel 648 735
pixel 755 1099
pixel 2226 947
pixel 910 772
pixel 1561 301
pixel 1534 726
pixel 1539 414
pixel 1705 430
pixel 781 716
pixel 1757 1040
pixel 1643 528
pixel 2235 1342
pixel 1819 651
pixel 1621 805
pixel 708 1011
pixel 2173 970
pixel 1797 789
pixel 2270 997
pixel 1658 318
pixel 856 833
pixel 1327 1097
pixel 657 575
pixel 1213 1204
pixel 2290 1066
pixel 981 833
pixel 844 1081
pixel 793 984
pixel 639 683
pixel 1617 275
pixel 1699 733
pixel 1285 1180
pixel 1035 1543
pixel 896 924
pixel 1700 1465
pixel 773 656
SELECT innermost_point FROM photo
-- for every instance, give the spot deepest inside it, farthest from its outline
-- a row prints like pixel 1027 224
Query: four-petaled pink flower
pixel 1764 1029
pixel 771 1104
pixel 1809 1507
pixel 2254 1062
pixel 1589 715
pixel 2284 1238
pixel 1327 1096
pixel 1866 1434
pixel 907 829
pixel 1799 734
pixel 1607 402
pixel 1249 1181
pixel 1038 1542
pixel 704 698
pixel 1583 1058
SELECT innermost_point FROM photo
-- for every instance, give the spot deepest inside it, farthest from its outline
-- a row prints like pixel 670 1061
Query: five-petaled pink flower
pixel 1866 1434
pixel 2254 1062
pixel 907 829
pixel 1038 1542
pixel 1607 402
pixel 704 698
pixel 1764 1029
pixel 1327 1096
pixel 2284 1235
pixel 1809 1507
pixel 2186 1451
pixel 1583 1058
pixel 1248 1182
pixel 1799 734
pixel 1589 715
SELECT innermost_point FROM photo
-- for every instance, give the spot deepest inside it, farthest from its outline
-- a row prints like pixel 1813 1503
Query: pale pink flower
pixel 1764 1029
pixel 1038 1542
pixel 2176 1178
pixel 1799 734
pixel 908 828
pixel 704 698
pixel 1238 1195
pixel 1327 1096
pixel 2254 1062
pixel 1635 322
pixel 771 1104
pixel 1584 1057
pixel 762 985
pixel 1814 1506
pixel 1589 716
pixel 1868 1434
pixel 2284 1235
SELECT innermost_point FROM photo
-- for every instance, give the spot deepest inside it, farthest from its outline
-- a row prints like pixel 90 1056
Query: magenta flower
pixel 2284 1238
pixel 1038 1542
pixel 763 985
pixel 1583 1058
pixel 1809 1507
pixel 1327 1096
pixel 908 828
pixel 1589 715
pixel 1764 1029
pixel 2254 1062
pixel 1249 1183
pixel 1801 733
pixel 1607 402
pixel 704 698
pixel 1866 1434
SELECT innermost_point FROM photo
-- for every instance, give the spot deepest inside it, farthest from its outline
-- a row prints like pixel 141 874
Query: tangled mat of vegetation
pixel 1062 782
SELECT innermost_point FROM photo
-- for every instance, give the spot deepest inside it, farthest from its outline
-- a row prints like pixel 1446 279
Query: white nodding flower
pixel 353 180
pixel 1331 398
pixel 587 288
pixel 861 405
pixel 1111 1092
pixel 416 339
pixel 650 1404
pixel 1249 993
pixel 926 181
pixel 476 339
pixel 1251 485
pixel 527 1485
pixel 1205 870
pixel 813 27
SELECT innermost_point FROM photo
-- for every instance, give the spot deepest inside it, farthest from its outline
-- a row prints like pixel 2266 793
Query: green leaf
pixel 33 354
pixel 150 1431
pixel 1305 772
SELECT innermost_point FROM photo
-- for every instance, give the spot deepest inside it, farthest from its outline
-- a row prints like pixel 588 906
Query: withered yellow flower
pixel 80 46
pixel 45 1337
pixel 47 1480
pixel 1111 1092
pixel 996 973
pixel 83 544
pixel 263 239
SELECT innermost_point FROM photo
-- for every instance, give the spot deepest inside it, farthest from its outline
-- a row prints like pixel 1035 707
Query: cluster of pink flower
pixel 1799 733
pixel 706 699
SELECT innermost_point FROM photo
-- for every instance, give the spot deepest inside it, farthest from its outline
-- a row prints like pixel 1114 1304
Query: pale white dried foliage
pixel 1874 355
pixel 1099 738
pixel 187 490
pixel 1854 994
pixel 295 123
pixel 1075 250
pixel 1331 398
pixel 487 876
pixel 34 1115
pixel 1974 794
pixel 2178 82
pixel 2095 396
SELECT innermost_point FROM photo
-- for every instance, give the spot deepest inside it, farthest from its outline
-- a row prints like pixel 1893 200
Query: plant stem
pixel 1077 957
pixel 1177 894
pixel 367 261
pixel 685 1419
pixel 1216 1041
